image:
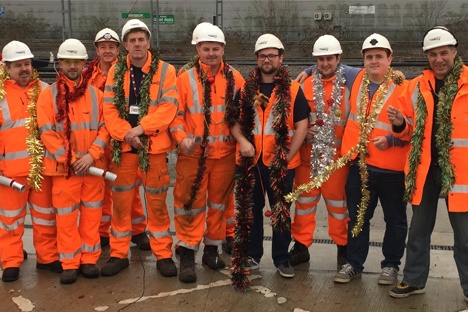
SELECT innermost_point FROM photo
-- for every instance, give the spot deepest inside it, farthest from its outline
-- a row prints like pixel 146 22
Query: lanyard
pixel 134 85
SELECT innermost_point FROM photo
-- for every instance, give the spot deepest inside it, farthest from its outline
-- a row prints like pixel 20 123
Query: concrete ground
pixel 142 288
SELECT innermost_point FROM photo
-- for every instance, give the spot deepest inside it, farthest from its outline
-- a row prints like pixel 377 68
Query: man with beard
pixel 269 136
pixel 71 123
pixel 107 44
pixel 203 191
pixel 21 160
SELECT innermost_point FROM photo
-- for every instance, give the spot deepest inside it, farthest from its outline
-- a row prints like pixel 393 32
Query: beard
pixel 268 70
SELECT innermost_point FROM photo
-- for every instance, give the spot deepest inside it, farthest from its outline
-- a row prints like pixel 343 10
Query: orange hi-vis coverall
pixel 216 189
pixel 161 112
pixel 98 80
pixel 14 164
pixel 78 238
pixel 333 190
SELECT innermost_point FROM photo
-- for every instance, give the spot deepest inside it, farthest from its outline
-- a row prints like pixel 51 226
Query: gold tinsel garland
pixel 3 76
pixel 366 125
pixel 33 142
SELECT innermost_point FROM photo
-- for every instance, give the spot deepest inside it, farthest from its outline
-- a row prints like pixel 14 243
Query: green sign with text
pixel 164 20
pixel 136 15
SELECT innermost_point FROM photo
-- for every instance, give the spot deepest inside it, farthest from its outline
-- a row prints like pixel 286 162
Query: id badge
pixel 134 110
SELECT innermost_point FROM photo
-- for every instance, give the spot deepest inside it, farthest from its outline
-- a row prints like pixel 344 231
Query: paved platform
pixel 142 288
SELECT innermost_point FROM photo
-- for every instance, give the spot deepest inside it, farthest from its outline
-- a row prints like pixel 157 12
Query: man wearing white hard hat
pixel 270 129
pixel 107 44
pixel 140 103
pixel 21 160
pixel 71 123
pixel 327 92
pixel 197 31
pixel 203 192
pixel 432 113
pixel 376 171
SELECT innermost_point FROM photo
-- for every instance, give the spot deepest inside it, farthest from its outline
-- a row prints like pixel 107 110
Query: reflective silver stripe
pixel 44 210
pixel 108 100
pixel 53 88
pixel 156 190
pixel 230 220
pixel 67 210
pixel 165 99
pixel 176 128
pixel 184 244
pixel 460 142
pixel 47 154
pixel 191 212
pixel 307 199
pixel 305 212
pixel 160 234
pixel 105 218
pixel 336 203
pixel 125 188
pixel 459 188
pixel 43 222
pixel 196 108
pixel 13 226
pixel 212 242
pixel 163 69
pixel 59 153
pixel 108 88
pixel 414 97
pixel 44 85
pixel 258 126
pixel 69 255
pixel 94 108
pixel 46 127
pixel 383 126
pixel 338 142
pixel 100 143
pixel 120 234
pixel 338 216
pixel 220 207
pixel 14 155
pixel 347 104
pixel 353 117
pixel 7 122
pixel 89 248
pixel 95 204
pixel 101 124
pixel 181 113
pixel 12 213
pixel 139 220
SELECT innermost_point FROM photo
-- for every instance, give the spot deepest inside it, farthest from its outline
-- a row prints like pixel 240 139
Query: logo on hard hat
pixel 323 49
pixel 107 36
pixel 21 52
pixel 213 36
pixel 135 24
pixel 435 38
pixel 263 42
pixel 73 51
pixel 373 41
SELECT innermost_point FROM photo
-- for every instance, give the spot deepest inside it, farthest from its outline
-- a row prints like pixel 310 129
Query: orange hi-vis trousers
pixel 333 192
pixel 138 215
pixel 215 191
pixel 229 215
pixel 12 213
pixel 78 203
pixel 155 183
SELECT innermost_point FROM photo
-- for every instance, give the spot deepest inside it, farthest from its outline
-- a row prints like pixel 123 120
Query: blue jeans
pixel 281 240
pixel 419 238
pixel 389 189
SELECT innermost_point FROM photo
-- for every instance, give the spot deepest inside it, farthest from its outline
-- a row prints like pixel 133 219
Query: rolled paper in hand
pixel 12 183
pixel 197 140
pixel 102 173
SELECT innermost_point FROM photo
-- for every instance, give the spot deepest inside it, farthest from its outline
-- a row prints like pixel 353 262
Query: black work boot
pixel 68 276
pixel 104 241
pixel 299 254
pixel 166 267
pixel 89 270
pixel 142 241
pixel 228 245
pixel 54 266
pixel 211 258
pixel 187 265
pixel 25 254
pixel 113 266
pixel 10 274
pixel 342 256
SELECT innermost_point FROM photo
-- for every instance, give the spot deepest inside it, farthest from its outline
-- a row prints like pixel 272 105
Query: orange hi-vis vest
pixel 98 78
pixel 14 156
pixel 190 121
pixel 161 111
pixel 458 195
pixel 88 132
pixel 264 134
pixel 308 88
pixel 392 158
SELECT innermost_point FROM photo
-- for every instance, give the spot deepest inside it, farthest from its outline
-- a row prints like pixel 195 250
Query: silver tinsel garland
pixel 323 144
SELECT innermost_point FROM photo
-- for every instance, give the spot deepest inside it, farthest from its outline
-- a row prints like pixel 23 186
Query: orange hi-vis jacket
pixel 161 111
pixel 308 88
pixel 14 157
pixel 190 120
pixel 98 79
pixel 392 158
pixel 458 195
pixel 264 135
pixel 88 132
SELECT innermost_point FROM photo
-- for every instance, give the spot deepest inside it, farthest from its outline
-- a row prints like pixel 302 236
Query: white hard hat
pixel 438 36
pixel 106 34
pixel 15 51
pixel 133 24
pixel 198 30
pixel 266 41
pixel 327 45
pixel 211 33
pixel 72 49
pixel 376 41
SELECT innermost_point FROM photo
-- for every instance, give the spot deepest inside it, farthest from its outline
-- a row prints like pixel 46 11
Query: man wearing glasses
pixel 269 134
pixel 71 124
